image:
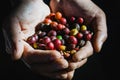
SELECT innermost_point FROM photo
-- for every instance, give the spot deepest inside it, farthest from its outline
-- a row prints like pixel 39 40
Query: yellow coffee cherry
pixel 83 28
pixel 62 47
pixel 73 32
pixel 35 45
pixel 73 52
pixel 66 55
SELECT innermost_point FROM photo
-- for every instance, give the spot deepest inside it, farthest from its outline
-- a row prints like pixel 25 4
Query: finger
pixel 70 75
pixel 84 52
pixel 75 65
pixel 17 40
pixel 41 56
pixel 13 38
pixel 57 65
pixel 100 31
pixel 31 55
pixel 60 75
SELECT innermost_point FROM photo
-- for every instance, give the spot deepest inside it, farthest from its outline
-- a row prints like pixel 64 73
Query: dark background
pixel 101 66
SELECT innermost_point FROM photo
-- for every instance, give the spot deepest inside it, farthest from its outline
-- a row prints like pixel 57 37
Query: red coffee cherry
pixel 88 36
pixel 31 40
pixel 54 25
pixel 63 20
pixel 72 40
pixel 79 35
pixel 66 31
pixel 60 26
pixel 50 46
pixel 72 19
pixel 57 43
pixel 46 40
pixel 80 20
pixel 52 33
pixel 47 21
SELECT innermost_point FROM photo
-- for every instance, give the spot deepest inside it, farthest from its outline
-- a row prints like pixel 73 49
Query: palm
pixel 76 8
pixel 21 24
pixel 29 15
pixel 91 13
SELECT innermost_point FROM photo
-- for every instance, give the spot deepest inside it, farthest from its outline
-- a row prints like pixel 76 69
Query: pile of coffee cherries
pixel 56 32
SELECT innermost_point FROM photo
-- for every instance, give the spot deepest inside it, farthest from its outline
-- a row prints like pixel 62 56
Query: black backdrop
pixel 102 66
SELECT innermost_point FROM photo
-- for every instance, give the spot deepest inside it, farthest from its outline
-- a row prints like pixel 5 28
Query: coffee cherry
pixel 47 21
pixel 85 32
pixel 73 32
pixel 51 16
pixel 53 38
pixel 72 52
pixel 63 41
pixel 66 55
pixel 52 33
pixel 80 20
pixel 72 40
pixel 50 46
pixel 38 27
pixel 43 27
pixel 59 37
pixel 72 19
pixel 56 32
pixel 42 46
pixel 46 40
pixel 58 15
pixel 62 47
pixel 66 31
pixel 57 43
pixel 42 34
pixel 88 37
pixel 54 25
pixel 79 35
pixel 66 37
pixel 35 45
pixel 71 46
pixel 76 26
pixel 36 36
pixel 31 40
pixel 83 28
pixel 63 20
pixel 60 26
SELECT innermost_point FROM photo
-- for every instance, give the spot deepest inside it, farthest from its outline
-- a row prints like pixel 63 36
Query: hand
pixel 48 63
pixel 93 16
pixel 18 26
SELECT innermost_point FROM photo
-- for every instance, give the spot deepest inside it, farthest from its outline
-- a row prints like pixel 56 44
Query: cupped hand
pixel 93 16
pixel 48 63
pixel 20 24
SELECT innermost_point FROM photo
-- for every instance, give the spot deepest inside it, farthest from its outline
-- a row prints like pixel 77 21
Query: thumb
pixel 100 32
pixel 17 48
pixel 13 41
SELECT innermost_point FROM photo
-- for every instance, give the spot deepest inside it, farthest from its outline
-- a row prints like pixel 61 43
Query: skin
pixel 21 24
pixel 94 16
